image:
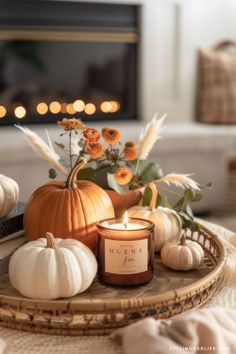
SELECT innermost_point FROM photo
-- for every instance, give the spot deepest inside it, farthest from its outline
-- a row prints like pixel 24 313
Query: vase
pixel 122 202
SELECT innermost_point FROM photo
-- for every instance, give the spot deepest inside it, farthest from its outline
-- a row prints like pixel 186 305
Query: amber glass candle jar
pixel 125 251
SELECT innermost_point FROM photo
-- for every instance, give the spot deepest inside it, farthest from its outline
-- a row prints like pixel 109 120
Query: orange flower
pixel 92 135
pixel 71 124
pixel 95 150
pixel 123 175
pixel 111 135
pixel 130 145
pixel 130 151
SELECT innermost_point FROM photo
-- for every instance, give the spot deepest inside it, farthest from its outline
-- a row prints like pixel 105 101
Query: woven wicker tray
pixel 101 309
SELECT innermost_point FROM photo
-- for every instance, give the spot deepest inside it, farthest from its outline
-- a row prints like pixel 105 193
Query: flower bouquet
pixel 120 168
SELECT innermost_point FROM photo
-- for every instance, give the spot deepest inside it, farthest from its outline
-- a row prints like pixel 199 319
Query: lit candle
pixel 126 251
pixel 125 225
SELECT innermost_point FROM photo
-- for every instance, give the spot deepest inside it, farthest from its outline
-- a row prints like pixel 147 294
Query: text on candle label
pixel 126 257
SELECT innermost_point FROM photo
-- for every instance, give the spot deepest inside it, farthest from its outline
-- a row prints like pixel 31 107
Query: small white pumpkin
pixel 167 222
pixel 9 195
pixel 182 255
pixel 50 268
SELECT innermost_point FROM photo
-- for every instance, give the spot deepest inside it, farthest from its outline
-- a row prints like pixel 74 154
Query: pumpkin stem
pixel 152 204
pixel 71 179
pixel 50 240
pixel 182 240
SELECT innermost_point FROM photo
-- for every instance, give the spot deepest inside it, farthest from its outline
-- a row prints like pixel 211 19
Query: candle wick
pixel 125 225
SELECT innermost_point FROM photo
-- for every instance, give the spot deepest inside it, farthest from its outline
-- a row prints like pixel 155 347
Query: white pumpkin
pixel 9 195
pixel 168 225
pixel 50 268
pixel 183 255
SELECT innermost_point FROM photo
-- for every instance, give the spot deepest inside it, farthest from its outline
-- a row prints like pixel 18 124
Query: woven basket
pixel 101 309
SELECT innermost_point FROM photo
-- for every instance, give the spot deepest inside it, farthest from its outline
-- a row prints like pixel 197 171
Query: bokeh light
pixel 106 107
pixel 20 112
pixel 90 108
pixel 42 108
pixel 3 111
pixel 79 105
pixel 63 107
pixel 70 109
pixel 115 106
pixel 55 107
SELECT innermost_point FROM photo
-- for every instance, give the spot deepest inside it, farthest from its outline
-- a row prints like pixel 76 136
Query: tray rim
pixel 111 304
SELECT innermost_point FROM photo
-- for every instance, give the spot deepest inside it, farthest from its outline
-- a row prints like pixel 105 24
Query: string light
pixel 55 107
pixel 42 108
pixel 90 108
pixel 106 107
pixel 115 106
pixel 63 107
pixel 20 112
pixel 3 111
pixel 79 105
pixel 70 109
pixel 109 106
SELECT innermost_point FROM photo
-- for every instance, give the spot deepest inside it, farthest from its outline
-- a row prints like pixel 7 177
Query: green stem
pixel 101 160
pixel 80 154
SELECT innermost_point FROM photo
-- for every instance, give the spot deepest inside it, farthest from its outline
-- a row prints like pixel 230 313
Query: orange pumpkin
pixel 68 209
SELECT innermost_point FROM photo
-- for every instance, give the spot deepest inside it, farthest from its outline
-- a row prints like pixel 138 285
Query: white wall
pixel 173 30
pixel 213 20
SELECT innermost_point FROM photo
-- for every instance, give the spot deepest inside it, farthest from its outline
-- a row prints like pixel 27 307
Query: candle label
pixel 126 257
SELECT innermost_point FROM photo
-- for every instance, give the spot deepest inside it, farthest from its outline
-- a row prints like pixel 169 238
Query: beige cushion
pixel 216 92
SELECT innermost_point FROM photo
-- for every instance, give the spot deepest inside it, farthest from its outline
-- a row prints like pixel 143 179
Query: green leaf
pixel 159 200
pixel 115 186
pixel 165 203
pixel 179 205
pixel 189 210
pixel 147 196
pixel 132 186
pixel 194 226
pixel 86 173
pixel 189 194
pixel 61 146
pixel 188 222
pixel 198 197
pixel 148 171
pixel 162 201
pixel 52 173
pixel 100 177
pixel 185 223
pixel 208 185
pixel 64 163
pixel 185 216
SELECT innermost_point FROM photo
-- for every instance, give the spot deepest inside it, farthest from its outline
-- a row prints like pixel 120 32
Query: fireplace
pixel 62 58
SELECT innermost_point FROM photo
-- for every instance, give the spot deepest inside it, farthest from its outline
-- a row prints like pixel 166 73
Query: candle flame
pixel 125 219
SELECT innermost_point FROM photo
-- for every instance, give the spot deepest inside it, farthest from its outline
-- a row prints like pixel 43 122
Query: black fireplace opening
pixel 67 59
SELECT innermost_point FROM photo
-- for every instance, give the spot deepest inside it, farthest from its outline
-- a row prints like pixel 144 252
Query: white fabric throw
pixel 208 331
pixel 3 347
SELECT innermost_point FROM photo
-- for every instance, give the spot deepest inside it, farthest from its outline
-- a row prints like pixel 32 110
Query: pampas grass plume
pixel 43 150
